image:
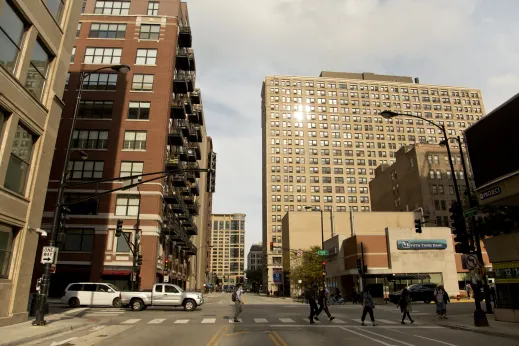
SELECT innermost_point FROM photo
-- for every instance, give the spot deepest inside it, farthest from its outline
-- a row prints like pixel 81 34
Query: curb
pixel 480 331
pixel 77 328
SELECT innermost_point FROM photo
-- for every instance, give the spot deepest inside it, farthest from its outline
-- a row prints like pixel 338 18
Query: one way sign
pixel 49 254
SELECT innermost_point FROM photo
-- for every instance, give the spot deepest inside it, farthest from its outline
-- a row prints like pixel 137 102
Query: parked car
pixel 162 295
pixel 419 293
pixel 92 294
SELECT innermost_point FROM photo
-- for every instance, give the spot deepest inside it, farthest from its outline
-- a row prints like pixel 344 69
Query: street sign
pixel 166 278
pixel 470 212
pixel 469 262
pixel 49 254
pixel 322 252
pixel 299 253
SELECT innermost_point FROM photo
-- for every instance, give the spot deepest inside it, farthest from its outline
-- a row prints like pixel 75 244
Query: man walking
pixel 310 296
pixel 238 302
pixel 323 304
pixel 367 307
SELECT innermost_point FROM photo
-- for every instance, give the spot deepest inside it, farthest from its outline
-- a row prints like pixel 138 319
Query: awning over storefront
pixel 116 272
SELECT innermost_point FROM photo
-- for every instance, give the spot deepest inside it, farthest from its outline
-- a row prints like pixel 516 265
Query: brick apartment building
pixel 148 120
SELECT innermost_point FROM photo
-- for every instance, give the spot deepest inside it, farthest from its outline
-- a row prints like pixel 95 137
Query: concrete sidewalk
pixel 56 323
pixel 466 322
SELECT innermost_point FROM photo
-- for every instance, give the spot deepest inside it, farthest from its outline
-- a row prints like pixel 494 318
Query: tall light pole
pixel 44 291
pixel 477 240
pixel 322 235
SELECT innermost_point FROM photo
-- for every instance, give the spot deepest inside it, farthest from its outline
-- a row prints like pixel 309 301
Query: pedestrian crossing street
pixel 283 320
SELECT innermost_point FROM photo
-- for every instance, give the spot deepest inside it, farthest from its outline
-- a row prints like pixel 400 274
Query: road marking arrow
pixel 57 343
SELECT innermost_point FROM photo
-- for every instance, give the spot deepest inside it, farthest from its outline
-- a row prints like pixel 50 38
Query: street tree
pixel 307 268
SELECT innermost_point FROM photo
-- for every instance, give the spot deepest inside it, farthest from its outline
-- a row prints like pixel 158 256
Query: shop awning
pixel 116 272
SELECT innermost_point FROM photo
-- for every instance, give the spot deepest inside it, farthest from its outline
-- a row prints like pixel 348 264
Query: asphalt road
pixel 267 321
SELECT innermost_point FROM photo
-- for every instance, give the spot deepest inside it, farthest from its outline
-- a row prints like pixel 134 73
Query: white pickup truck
pixel 162 295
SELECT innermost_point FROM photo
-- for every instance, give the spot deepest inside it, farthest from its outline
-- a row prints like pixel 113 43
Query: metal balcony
pixel 183 82
pixel 194 166
pixel 185 59
pixel 191 155
pixel 191 229
pixel 185 127
pixel 176 158
pixel 186 192
pixel 188 105
pixel 189 200
pixel 193 208
pixel 196 134
pixel 185 40
pixel 191 251
pixel 195 189
pixel 201 116
pixel 191 177
pixel 196 97
pixel 196 147
pixel 179 207
pixel 170 195
pixel 185 215
pixel 175 136
pixel 178 110
pixel 178 180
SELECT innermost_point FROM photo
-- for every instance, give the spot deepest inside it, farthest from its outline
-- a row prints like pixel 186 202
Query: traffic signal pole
pixel 477 239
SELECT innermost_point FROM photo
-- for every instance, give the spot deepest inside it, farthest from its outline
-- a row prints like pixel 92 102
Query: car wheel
pixel 73 302
pixel 116 303
pixel 137 305
pixel 189 305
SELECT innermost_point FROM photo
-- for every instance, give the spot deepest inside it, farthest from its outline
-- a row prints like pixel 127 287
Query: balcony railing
pixel 195 189
pixel 193 208
pixel 183 82
pixel 178 180
pixel 175 136
pixel 175 158
pixel 194 166
pixel 178 110
pixel 185 39
pixel 196 148
pixel 185 59
pixel 196 97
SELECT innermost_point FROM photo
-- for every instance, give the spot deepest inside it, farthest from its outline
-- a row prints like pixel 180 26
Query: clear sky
pixel 238 42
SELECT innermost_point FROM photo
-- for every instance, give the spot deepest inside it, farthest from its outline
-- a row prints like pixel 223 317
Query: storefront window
pixel 6 249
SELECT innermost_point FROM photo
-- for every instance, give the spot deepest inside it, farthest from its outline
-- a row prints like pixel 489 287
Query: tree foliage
pixel 255 275
pixel 496 220
pixel 307 268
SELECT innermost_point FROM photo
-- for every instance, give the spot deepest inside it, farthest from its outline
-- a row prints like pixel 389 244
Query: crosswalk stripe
pixel 261 320
pixel 338 320
pixel 286 320
pixel 131 321
pixel 181 321
pixel 387 321
pixel 357 320
pixel 157 321
pixel 209 320
pixel 231 320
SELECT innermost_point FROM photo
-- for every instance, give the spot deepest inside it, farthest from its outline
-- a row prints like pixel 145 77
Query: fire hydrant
pixel 458 297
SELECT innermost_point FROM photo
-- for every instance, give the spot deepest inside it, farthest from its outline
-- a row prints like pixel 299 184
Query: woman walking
pixel 405 305
pixel 368 305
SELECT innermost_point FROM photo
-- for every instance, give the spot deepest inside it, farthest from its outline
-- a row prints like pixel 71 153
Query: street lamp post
pixel 477 240
pixel 44 291
pixel 479 315
pixel 322 235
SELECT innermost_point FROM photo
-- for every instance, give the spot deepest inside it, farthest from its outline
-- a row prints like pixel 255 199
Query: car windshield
pixel 115 288
pixel 179 289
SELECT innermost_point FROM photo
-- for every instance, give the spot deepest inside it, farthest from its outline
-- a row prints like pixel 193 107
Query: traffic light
pixel 418 226
pixel 271 246
pixel 461 238
pixel 211 173
pixel 324 268
pixel 62 229
pixel 119 228
pixel 139 260
pixel 166 265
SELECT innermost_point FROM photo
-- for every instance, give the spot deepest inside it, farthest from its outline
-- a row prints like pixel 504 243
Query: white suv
pixel 91 294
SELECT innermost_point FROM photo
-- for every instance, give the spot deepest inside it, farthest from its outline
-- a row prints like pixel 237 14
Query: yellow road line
pixel 273 338
pixel 221 336
pixel 280 339
pixel 237 333
pixel 213 339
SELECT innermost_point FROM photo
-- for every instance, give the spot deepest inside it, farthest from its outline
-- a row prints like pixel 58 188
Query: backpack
pixel 233 296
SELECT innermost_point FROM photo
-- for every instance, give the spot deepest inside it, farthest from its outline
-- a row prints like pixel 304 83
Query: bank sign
pixel 417 244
